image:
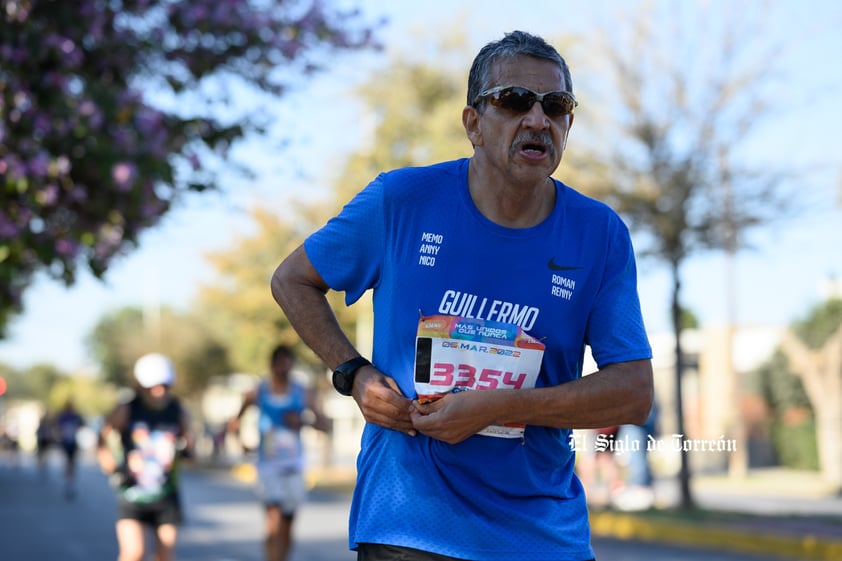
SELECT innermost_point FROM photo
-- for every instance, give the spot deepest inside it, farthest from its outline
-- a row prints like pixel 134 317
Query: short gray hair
pixel 516 43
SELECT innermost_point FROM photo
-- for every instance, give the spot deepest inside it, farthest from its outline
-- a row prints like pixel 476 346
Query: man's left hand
pixel 454 417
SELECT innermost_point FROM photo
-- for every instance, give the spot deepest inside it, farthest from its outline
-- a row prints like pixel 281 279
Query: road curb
pixel 244 472
pixel 628 526
pixel 321 478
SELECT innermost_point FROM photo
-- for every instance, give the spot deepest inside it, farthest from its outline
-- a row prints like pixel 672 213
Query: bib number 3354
pixel 456 354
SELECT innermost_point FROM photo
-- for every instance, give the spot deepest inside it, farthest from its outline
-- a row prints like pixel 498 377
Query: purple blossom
pixel 24 217
pixel 66 248
pixel 41 125
pixel 89 109
pixel 13 167
pixel 67 46
pixel 124 139
pixel 8 229
pixel 21 102
pixel 62 165
pixel 195 14
pixel 39 165
pixel 195 162
pixel 84 143
pixel 108 243
pixel 148 121
pixel 123 174
pixel 48 195
pixel 78 194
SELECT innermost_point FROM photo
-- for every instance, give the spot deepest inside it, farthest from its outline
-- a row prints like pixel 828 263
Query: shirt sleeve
pixel 616 331
pixel 348 251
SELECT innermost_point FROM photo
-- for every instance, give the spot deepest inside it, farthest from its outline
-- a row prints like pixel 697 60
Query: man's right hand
pixel 381 401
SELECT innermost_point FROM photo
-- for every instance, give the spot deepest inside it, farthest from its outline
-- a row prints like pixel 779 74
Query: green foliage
pixel 90 397
pixel 116 342
pixel 796 444
pixel 32 383
pixel 822 321
pixel 793 421
pixel 793 427
pixel 121 337
pixel 238 305
pixel 689 320
pixel 779 386
pixel 53 388
pixel 110 111
pixel 421 125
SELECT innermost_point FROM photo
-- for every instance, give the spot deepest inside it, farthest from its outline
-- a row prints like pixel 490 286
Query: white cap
pixel 154 369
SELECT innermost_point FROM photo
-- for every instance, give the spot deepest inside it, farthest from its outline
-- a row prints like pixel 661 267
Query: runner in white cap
pixel 152 428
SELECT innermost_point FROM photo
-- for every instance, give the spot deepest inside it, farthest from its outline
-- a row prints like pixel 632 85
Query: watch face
pixel 342 383
pixel 343 376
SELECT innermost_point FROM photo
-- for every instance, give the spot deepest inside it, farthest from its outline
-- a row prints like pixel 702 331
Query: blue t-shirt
pixel 416 238
pixel 280 447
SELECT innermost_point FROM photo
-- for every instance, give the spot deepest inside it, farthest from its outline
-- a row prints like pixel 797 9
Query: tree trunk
pixel 820 371
pixel 686 498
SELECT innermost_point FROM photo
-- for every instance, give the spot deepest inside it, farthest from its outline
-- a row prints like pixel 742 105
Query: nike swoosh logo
pixel 553 267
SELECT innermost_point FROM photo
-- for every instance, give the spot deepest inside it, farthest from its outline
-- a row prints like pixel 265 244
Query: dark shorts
pixel 70 450
pixel 165 511
pixel 382 552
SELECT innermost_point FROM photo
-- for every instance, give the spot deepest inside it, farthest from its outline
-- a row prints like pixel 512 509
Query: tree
pixel 237 302
pixel 32 383
pixel 792 421
pixel 123 336
pixel 682 114
pixel 89 396
pixel 53 388
pixel 814 350
pixel 111 110
pixel 421 126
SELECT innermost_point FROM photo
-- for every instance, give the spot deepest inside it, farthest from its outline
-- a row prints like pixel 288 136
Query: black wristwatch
pixel 343 376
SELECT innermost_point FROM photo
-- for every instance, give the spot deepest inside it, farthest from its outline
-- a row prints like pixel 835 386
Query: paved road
pixel 223 520
pixel 224 523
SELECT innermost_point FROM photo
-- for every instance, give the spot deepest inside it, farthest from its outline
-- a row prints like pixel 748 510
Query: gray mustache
pixel 542 138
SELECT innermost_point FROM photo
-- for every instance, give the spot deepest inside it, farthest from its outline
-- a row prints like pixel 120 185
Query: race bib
pixel 150 462
pixel 455 354
pixel 281 446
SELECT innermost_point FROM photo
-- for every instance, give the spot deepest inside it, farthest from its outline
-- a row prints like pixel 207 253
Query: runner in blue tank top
pixel 489 280
pixel 281 403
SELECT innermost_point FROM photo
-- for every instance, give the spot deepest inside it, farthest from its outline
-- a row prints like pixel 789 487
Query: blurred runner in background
pixel 154 432
pixel 67 423
pixel 283 407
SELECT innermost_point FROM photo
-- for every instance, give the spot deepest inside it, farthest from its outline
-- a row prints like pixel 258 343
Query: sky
pixel 786 273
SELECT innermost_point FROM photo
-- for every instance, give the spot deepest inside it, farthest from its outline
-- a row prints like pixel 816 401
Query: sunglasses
pixel 520 100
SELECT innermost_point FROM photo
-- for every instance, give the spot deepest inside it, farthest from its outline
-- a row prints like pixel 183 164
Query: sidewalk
pixel 773 512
